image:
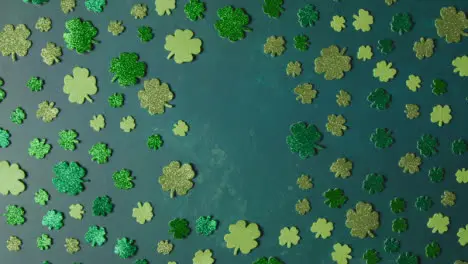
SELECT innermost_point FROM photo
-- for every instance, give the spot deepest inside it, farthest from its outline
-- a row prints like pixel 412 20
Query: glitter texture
pixel 53 220
pixel 51 53
pixel 41 197
pixel 116 100
pixel 44 242
pixel 96 6
pixel 18 116
pixel 80 35
pixel 46 111
pixel 68 177
pixel 154 142
pixel 164 247
pixel 177 178
pixel 96 236
pixel 35 84
pixel 333 62
pixel 72 245
pixel 14 215
pixel 127 69
pixel 125 248
pixel 14 243
pixel 43 24
pixel 100 153
pixel 67 5
pixel 14 41
pixel 116 27
pixel 304 139
pixel 67 139
pixel 38 148
pixel 362 221
pixel 139 11
pixel 155 96
pixel 205 225
pixel 232 23
pixel 102 206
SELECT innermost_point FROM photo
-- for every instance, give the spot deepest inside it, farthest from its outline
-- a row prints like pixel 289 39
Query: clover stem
pixel 113 79
pixel 168 105
pixel 235 250
pixel 465 34
pixel 13 57
pixel 170 55
pixel 88 99
pixel 172 193
pixel 370 234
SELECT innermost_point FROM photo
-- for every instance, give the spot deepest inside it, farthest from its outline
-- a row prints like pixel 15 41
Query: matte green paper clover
pixel 374 183
pixel 80 86
pixel 182 46
pixel 304 140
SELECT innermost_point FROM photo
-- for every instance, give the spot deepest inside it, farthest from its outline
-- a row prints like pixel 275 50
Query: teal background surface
pixel 239 104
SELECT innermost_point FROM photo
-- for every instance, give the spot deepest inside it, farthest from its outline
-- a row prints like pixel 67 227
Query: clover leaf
pixel 335 198
pixel 304 139
pixel 179 228
pixel 80 35
pixel 69 177
pixel 127 69
pixel 232 23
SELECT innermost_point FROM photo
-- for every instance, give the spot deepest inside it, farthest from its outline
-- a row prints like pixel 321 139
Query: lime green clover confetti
pixel 343 98
pixel 154 142
pixel 391 245
pixel 232 23
pixel 41 197
pixel 182 46
pixel 452 24
pixel 180 128
pixel 363 20
pixel 423 203
pixel 43 24
pixel 96 236
pixel 384 71
pixel 407 258
pixel 14 243
pixel 205 225
pixel 4 138
pixel 96 6
pixel 382 138
pixel 116 27
pixel 427 145
pixel 116 100
pixel 441 114
pixel 14 41
pixel 80 35
pixel 424 48
pixel 401 23
pixel 439 87
pixel 374 183
pixel 72 245
pixel 145 33
pixel 307 16
pixel 459 147
pixel 379 99
pixel 336 125
pixel 67 6
pixel 127 124
pixel 102 206
pixel 143 212
pixel 335 198
pixel 436 174
pixel 155 96
pixel 432 250
pixel 462 235
pixel 460 65
pixel 397 205
pixel 97 123
pixel 10 177
pixel 365 53
pixel 127 69
pixel 100 153
pixel 53 220
pixel 51 53
pixel 322 228
pixel 68 139
pixel 273 8
pixel 69 177
pixel 38 148
pixel 177 178
pixel 125 248
pixel 44 242
pixel 14 215
pixel 371 256
pixel 338 23
pixel 76 211
pixel 179 228
pixel 123 179
pixel 438 223
pixel 79 86
pixel 18 116
pixel 35 84
pixel 47 112
pixel 399 225
pixel 304 139
pixel 139 11
pixel 194 9
pixel 301 42
pixel 164 7
pixel 333 62
pixel 36 2
pixel 385 46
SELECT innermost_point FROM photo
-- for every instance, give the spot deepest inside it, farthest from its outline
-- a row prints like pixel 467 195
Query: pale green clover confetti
pixel 47 112
pixel 97 123
pixel 127 124
pixel 79 86
pixel 182 46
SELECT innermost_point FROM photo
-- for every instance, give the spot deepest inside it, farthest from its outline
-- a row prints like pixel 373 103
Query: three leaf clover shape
pixel 182 46
pixel 79 86
pixel 242 236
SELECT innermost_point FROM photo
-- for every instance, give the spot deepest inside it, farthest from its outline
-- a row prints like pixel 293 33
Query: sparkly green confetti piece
pixel 100 153
pixel 373 183
pixel 46 111
pixel 335 198
pixel 125 248
pixel 407 258
pixel 116 27
pixel 265 260
pixel 205 225
pixel 424 48
pixel 116 100
pixel 302 206
pixel 371 256
pixel 397 205
pixel 177 178
pixel 36 2
pixel 154 142
pixel 10 177
pixel 139 11
pixel 80 86
pixel 123 179
pixel 18 116
pixel 80 35
pixel 68 139
pixel 305 93
pixel 379 99
pixel 96 6
pixel 194 9
pixel 401 23
pixel 274 46
pixel 127 69
pixel 307 16
pixel 35 84
pixel 427 145
pixel 336 125
pixel 304 140
pixel 232 23
pixel 14 215
pixel 51 53
pixel 44 242
pixel 301 42
pixel 459 147
pixel 4 138
pixel 399 225
pixel 14 41
pixel 53 220
pixel 155 96
pixel 102 206
pixel 436 174
pixel 423 203
pixel 362 221
pixel 14 244
pixel 391 245
pixel 69 177
pixel 342 168
pixel 72 245
pixel 182 46
pixel 432 250
pixel 385 46
pixel 2 95
pixel 410 163
pixel 41 197
pixel 179 228
pixel 141 261
pixel 96 236
pixel 38 148
pixel 43 24
pixel 451 24
pixel 164 247
pixel 439 87
pixel 2 82
pixel 67 6
pixel 145 33
pixel 333 62
pixel 273 8
pixel 448 199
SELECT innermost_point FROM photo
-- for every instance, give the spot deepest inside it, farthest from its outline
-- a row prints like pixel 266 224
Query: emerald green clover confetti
pixel 397 205
pixel 179 228
pixel 69 177
pixel 96 236
pixel 427 145
pixel 80 35
pixel 436 174
pixel 67 139
pixel 379 99
pixel 125 248
pixel 382 138
pixel 36 2
pixel 307 16
pixel 391 245
pixel 407 258
pixel 432 250
pixel 423 203
pixel 374 183
pixel 14 215
pixel 399 225
pixel 44 242
pixel 270 260
pixel 41 197
pixel 154 142
pixel 4 138
pixel 232 23
pixel 401 23
pixel 38 148
pixel 273 8
pixel 371 256
pixel 53 220
pixel 96 6
pixel 123 179
pixel 100 153
pixel 141 261
pixel 304 140
pixel 102 206
pixel 35 84
pixel 18 116
pixel 301 42
pixel 335 198
pixel 205 225
pixel 116 100
pixel 145 33
pixel 194 9
pixel 2 95
pixel 439 87
pixel 127 69
pixel 459 147
pixel 385 46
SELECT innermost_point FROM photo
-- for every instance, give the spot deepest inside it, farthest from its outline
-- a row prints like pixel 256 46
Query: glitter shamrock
pixel 242 237
pixel 334 198
pixel 373 183
pixel 391 245
pixel 80 35
pixel 96 6
pixel 96 236
pixel 97 123
pixel 102 206
pixel 427 145
pixel 441 115
pixel 343 98
pixel 448 198
pixel 203 257
pixel 273 8
pixel 179 228
pixel 41 197
pixel 432 250
pixel 302 206
pixel 379 99
pixel 452 24
pixel 411 111
pixel 69 177
pixel 125 248
pixel 51 53
pixel 438 223
pixel 336 125
pixel 43 24
pixel 67 6
pixel 439 87
pixel 53 220
pixel 10 177
pixel 413 83
pixel 164 247
pixel 68 139
pixel 154 142
pixel 38 148
pixel 164 7
pixel 116 100
pixel 459 146
pixel 232 23
pixel 362 221
pixel 182 46
pixel 116 27
pixel 390 2
pixel 401 23
pixel 100 153
pixel 35 84
pixel 363 20
pixel 460 65
pixel 410 163
pixel 301 42
pixel 342 168
pixel 322 228
pixel 123 179
pixel 14 243
pixel 333 62
pixel 274 46
pixel 72 245
pixel 338 23
pixel 145 33
pixel 14 41
pixel 305 93
pixel 2 94
pixel 397 205
pixel 14 215
pixel 80 86
pixel 423 203
pixel 18 116
pixel 127 69
pixel 289 237
pixel 384 71
pixel 385 46
pixel 139 11
pixel 177 178
pixel 307 16
pixel 180 128
pixel 341 253
pixel 436 174
pixel 365 53
pixel 4 138
pixel 194 9
pixel 424 48
pixel 46 111
pixel 304 139
pixel 143 212
pixel 205 225
pixel 127 124
pixel 265 260
pixel 371 256
pixel 44 242
pixel 76 211
pixel 144 261
pixel 304 182
pixel 155 96
pixel 36 2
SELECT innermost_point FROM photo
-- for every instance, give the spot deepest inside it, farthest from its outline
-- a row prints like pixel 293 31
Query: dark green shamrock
pixel 179 228
pixel 116 100
pixel 307 16
pixel 385 46
pixel 459 147
pixel 427 145
pixel 194 9
pixel 397 205
pixel 391 245
pixel 371 256
pixel 432 250
pixel 379 99
pixel 80 35
pixel 232 23
pixel 273 8
pixel 423 203
pixel 304 139
pixel 335 198
pixel 35 84
pixel 205 225
pixel 399 225
pixel 436 174
pixel 145 33
pixel 401 23
pixel 301 42
pixel 102 206
pixel 439 86
pixel 68 177
pixel 382 138
pixel 407 258
pixel 374 183
pixel 265 260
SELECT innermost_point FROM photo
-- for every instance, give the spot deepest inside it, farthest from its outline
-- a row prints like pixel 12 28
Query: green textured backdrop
pixel 239 105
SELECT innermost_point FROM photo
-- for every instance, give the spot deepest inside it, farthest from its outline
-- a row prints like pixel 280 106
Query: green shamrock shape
pixel 67 139
pixel 385 46
pixel 155 142
pixel 2 95
pixel 145 33
pixel 432 250
pixel 125 248
pixel 439 87
pixel 397 205
pixel 38 148
pixel 35 84
pixel 102 206
pixel 391 245
pixel 399 225
pixel 53 220
pixel 423 203
pixel 301 42
pixel 307 16
pixel 96 236
pixel 427 145
pixel 382 138
pixel 96 6
pixel 273 8
pixel 265 260
pixel 179 228
pixel 379 99
pixel 41 197
pixel 233 23
pixel 14 215
pixel 127 69
pixel 18 116
pixel 374 183
pixel 80 36
pixel 68 177
pixel 205 225
pixel 36 2
pixel 436 174
pixel 116 100
pixel 100 153
pixel 371 256
pixel 401 23
pixel 44 242
pixel 335 198
pixel 459 147
pixel 123 179
pixel 304 139
pixel 407 258
pixel 194 9
pixel 4 138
